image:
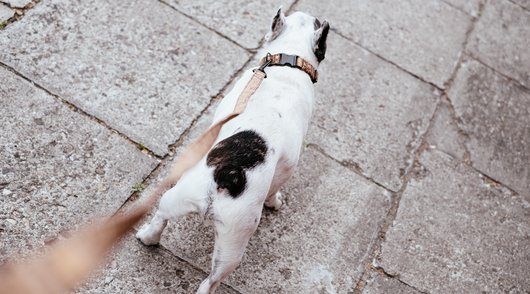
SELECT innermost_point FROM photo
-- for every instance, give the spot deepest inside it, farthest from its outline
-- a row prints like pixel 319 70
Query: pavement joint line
pixel 454 7
pixel 190 17
pixel 183 260
pixel 461 133
pixel 482 174
pixel 517 4
pixel 336 31
pixel 469 31
pixel 82 112
pixel 475 58
pixel 19 12
pixel 352 167
pixel 375 250
pixel 382 271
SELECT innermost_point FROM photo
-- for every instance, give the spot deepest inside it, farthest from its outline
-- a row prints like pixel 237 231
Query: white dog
pixel 255 152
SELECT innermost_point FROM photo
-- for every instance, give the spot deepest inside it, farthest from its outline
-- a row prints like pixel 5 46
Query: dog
pixel 255 153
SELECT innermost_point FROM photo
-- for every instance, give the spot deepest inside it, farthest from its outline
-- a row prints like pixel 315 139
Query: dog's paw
pixel 147 237
pixel 275 202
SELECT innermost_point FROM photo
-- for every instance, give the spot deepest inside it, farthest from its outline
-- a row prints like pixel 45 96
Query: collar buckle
pixel 286 59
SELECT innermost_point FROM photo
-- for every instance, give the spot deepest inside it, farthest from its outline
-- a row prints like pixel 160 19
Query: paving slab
pixel 5 13
pixel 369 114
pixel 471 7
pixel 424 37
pixel 501 40
pixel 381 284
pixel 494 112
pixel 458 232
pixel 245 22
pixel 58 168
pixel 134 268
pixel 143 68
pixel 17 3
pixel 294 251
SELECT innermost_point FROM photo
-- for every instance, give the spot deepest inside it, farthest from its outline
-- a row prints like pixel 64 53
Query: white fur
pixel 279 111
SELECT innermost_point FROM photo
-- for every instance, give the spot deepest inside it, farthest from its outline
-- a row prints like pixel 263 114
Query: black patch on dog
pixel 233 156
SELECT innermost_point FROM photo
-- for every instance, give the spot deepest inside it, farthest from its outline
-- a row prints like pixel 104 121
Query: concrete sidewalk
pixel 415 172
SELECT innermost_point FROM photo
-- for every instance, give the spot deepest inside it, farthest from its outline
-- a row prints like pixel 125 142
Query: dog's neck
pixel 291 47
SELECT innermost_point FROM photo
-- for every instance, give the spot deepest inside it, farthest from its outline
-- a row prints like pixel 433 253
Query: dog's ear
pixel 278 22
pixel 321 35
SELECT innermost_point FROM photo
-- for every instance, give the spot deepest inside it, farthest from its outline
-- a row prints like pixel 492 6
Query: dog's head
pixel 300 34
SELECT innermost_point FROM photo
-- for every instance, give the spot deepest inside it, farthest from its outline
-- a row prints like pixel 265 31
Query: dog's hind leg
pixel 230 243
pixel 189 195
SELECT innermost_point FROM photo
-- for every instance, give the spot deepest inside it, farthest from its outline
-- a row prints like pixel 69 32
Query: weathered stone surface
pixel 58 168
pixel 143 68
pixel 245 22
pixel 17 3
pixel 317 240
pixel 445 134
pixel 369 114
pixel 501 40
pixel 5 13
pixel 380 284
pixel 495 113
pixel 423 36
pixel 135 268
pixel 523 3
pixel 469 6
pixel 456 231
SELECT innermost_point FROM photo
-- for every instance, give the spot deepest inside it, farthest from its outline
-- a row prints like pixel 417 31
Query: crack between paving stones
pixel 336 31
pixel 352 167
pixel 472 56
pixel 470 29
pixel 82 112
pixel 375 250
pixel 20 12
pixel 486 177
pixel 383 272
pixel 457 8
pixel 190 17
pixel 185 261
pixel 461 133
pixel 519 5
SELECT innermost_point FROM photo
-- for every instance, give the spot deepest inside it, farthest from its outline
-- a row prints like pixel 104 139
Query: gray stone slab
pixel 469 6
pixel 501 40
pixel 369 114
pixel 381 284
pixel 294 249
pixel 134 268
pixel 458 232
pixel 57 167
pixel 5 13
pixel 424 37
pixel 245 22
pixel 444 133
pixel 143 68
pixel 495 113
pixel 17 3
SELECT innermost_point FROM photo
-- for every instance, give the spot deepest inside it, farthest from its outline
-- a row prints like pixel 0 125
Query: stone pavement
pixel 415 172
